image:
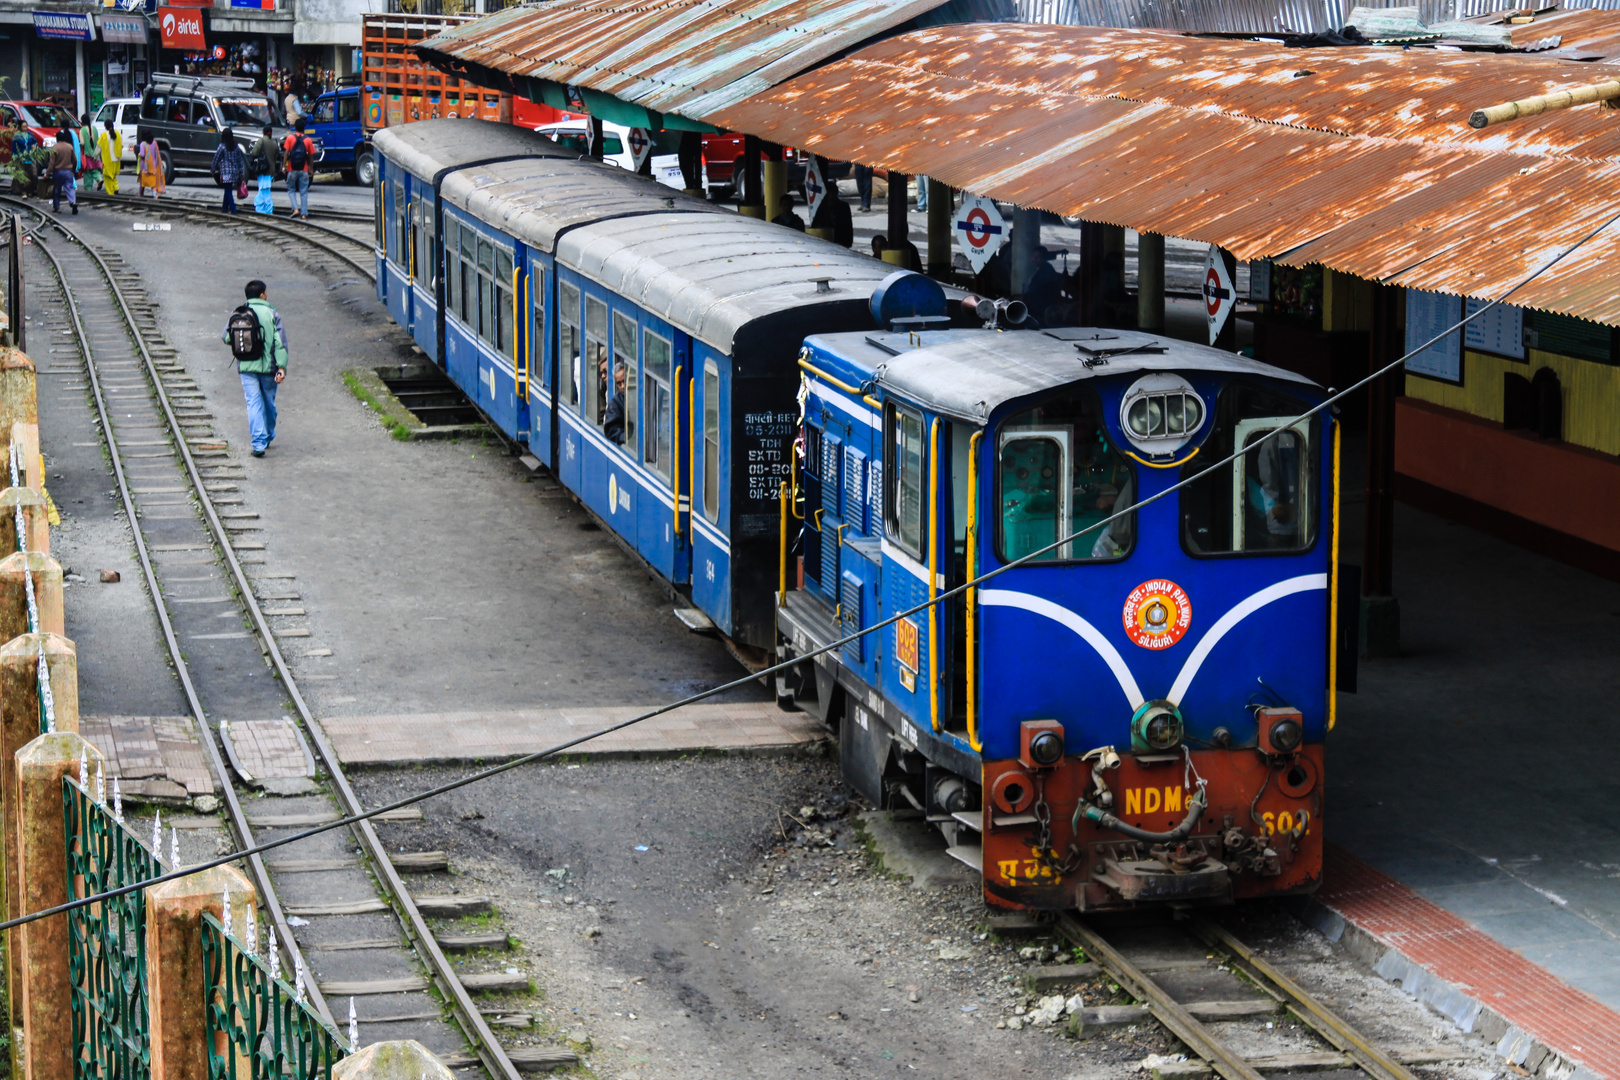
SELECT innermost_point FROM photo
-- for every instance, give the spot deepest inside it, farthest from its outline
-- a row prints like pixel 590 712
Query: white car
pixel 666 168
pixel 124 113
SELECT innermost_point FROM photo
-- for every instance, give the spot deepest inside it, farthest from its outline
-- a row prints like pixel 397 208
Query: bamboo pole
pixel 1542 103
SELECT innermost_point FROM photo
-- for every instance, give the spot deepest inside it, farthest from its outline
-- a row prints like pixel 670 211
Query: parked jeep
pixel 185 113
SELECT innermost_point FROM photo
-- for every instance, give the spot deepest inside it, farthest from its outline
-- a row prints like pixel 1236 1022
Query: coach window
pixel 402 229
pixel 1265 501
pixel 595 371
pixel 657 401
pixel 624 356
pixel 503 304
pixel 467 293
pixel 1057 475
pixel 425 256
pixel 711 441
pixel 452 265
pixel 486 290
pixel 568 359
pixel 379 220
pixel 536 348
pixel 903 466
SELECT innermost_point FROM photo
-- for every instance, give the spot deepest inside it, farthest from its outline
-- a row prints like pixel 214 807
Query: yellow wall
pixel 1591 393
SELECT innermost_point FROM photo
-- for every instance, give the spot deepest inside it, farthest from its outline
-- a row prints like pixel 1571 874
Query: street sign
pixel 815 188
pixel 640 146
pixel 181 28
pixel 1219 293
pixel 980 230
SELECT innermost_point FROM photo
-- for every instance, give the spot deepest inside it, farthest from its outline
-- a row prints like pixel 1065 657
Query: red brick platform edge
pixel 1532 1018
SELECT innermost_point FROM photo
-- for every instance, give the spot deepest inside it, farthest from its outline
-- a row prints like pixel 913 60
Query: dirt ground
pixel 688 918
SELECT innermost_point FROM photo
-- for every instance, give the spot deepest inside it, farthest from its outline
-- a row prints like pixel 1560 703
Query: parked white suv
pixel 123 112
pixel 666 168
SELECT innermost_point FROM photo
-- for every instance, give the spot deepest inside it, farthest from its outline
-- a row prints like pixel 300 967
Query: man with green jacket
pixel 259 342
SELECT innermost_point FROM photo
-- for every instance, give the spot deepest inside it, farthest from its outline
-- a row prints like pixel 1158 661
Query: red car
pixel 42 119
pixel 723 155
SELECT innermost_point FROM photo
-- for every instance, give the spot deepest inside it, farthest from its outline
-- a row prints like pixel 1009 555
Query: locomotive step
pixel 970 855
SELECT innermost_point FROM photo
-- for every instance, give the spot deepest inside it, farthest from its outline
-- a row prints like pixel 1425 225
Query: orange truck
pixel 397 87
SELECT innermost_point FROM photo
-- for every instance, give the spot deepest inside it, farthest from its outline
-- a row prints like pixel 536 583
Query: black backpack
pixel 297 154
pixel 247 336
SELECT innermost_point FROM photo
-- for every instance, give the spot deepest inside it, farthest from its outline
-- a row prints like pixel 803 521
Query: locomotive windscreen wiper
pixel 1098 357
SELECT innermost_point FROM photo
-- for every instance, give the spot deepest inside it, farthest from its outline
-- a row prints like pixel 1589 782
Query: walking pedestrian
pixel 90 154
pixel 63 163
pixel 111 145
pixel 264 162
pixel 258 341
pixel 149 166
pixel 229 168
pixel 298 157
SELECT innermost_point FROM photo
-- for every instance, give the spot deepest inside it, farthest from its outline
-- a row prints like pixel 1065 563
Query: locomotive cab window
pixel 1265 501
pixel 903 466
pixel 568 354
pixel 658 402
pixel 1057 474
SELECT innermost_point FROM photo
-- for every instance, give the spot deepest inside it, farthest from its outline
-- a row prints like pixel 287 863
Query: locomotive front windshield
pixel 1265 501
pixel 1057 473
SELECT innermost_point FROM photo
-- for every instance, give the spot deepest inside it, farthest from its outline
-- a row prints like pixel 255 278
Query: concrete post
pixel 748 186
pixel 775 186
pixel 19 401
pixel 899 226
pixel 941 246
pixel 37 954
pixel 1380 633
pixel 47 574
pixel 1026 237
pixel 1150 282
pixel 36 517
pixel 174 965
pixel 405 1059
pixel 26 436
pixel 691 159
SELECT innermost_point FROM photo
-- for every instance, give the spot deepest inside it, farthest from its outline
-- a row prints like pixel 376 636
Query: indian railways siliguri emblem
pixel 1157 613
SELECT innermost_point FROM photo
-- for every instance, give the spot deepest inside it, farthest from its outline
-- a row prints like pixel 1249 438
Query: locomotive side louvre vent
pixel 855 489
pixel 874 491
pixel 829 563
pixel 849 617
pixel 831 493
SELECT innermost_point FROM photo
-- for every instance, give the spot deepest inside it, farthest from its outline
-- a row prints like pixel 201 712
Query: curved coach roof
pixel 427 147
pixel 968 374
pixel 702 268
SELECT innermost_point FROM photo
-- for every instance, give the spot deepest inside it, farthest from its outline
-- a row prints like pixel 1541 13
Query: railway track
pixel 1226 1002
pixel 174 482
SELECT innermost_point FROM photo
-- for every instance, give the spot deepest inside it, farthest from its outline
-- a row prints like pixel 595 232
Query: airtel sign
pixel 181 28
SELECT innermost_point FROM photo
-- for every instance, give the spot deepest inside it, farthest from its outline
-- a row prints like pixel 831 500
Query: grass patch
pixel 364 384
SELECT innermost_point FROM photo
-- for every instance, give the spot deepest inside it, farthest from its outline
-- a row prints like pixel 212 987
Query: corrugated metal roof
pixel 670 56
pixel 1366 165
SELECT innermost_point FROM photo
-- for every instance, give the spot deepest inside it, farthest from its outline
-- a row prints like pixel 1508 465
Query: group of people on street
pixel 293 156
pixel 79 157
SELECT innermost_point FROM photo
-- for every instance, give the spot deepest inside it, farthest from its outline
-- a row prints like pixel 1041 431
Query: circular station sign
pixel 1157 613
pixel 980 230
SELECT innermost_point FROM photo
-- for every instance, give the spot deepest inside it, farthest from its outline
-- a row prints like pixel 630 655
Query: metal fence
pixel 260 1028
pixel 107 941
pixel 1252 16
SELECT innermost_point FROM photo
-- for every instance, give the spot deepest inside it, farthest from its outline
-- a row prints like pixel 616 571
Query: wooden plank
pixel 495 982
pixel 469 942
pixel 307 866
pixel 354 907
pixel 364 943
pixel 1052 976
pixel 527 1058
pixel 452 907
pixel 1233 1010
pixel 403 985
pixel 421 862
pixel 323 817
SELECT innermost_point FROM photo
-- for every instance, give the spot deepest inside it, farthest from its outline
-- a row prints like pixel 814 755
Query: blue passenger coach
pixel 641 342
pixel 1137 716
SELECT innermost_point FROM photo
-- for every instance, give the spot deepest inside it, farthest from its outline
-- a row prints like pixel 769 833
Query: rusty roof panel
pixel 1149 138
pixel 668 54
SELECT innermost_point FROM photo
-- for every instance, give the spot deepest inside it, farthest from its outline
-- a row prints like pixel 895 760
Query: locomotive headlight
pixel 1157 725
pixel 1046 748
pixel 1285 735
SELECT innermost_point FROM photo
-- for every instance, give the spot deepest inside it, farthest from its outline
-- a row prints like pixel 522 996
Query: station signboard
pixel 181 28
pixel 64 25
pixel 815 187
pixel 980 230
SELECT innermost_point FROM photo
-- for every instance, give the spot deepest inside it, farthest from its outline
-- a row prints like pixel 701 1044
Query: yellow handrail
pixel 933 573
pixel 1164 464
pixel 1333 597
pixel 675 443
pixel 781 576
pixel 528 338
pixel 516 272
pixel 841 384
pixel 691 445
pixel 970 599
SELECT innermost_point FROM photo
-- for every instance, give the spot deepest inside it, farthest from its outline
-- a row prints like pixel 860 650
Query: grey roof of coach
pixel 534 199
pixel 968 374
pixel 711 275
pixel 427 146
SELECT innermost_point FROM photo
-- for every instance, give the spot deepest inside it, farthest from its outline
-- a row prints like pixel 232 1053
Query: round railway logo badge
pixel 1157 614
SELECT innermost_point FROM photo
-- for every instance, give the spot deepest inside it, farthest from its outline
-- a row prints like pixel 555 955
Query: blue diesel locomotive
pixel 1137 716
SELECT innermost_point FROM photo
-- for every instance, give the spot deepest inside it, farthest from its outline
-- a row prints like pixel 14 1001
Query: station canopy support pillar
pixel 940 211
pixel 749 185
pixel 899 227
pixel 1150 282
pixel 1380 612
pixel 775 181
pixel 598 136
pixel 691 159
pixel 1026 237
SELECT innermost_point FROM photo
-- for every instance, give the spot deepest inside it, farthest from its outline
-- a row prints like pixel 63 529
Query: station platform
pixel 1474 788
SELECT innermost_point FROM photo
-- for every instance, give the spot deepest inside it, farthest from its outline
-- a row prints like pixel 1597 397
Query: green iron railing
pixel 107 941
pixel 270 1031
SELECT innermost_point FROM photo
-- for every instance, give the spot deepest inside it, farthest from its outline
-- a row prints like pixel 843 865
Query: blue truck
pixel 336 122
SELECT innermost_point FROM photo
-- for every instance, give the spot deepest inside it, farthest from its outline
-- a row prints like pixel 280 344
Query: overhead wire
pixel 833 646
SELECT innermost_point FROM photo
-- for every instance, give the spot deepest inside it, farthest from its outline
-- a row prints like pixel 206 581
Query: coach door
pixel 710 487
pixel 570 381
pixel 655 399
pixel 535 374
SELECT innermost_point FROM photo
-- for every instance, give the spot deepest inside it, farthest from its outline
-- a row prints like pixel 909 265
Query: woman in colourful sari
pixel 149 166
pixel 112 152
pixel 91 154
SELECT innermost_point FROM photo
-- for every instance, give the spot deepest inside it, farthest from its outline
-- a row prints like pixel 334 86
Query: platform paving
pixel 154 757
pixel 402 739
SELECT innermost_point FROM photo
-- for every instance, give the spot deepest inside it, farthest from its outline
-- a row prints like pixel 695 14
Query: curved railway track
pixel 107 325
pixel 1212 979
